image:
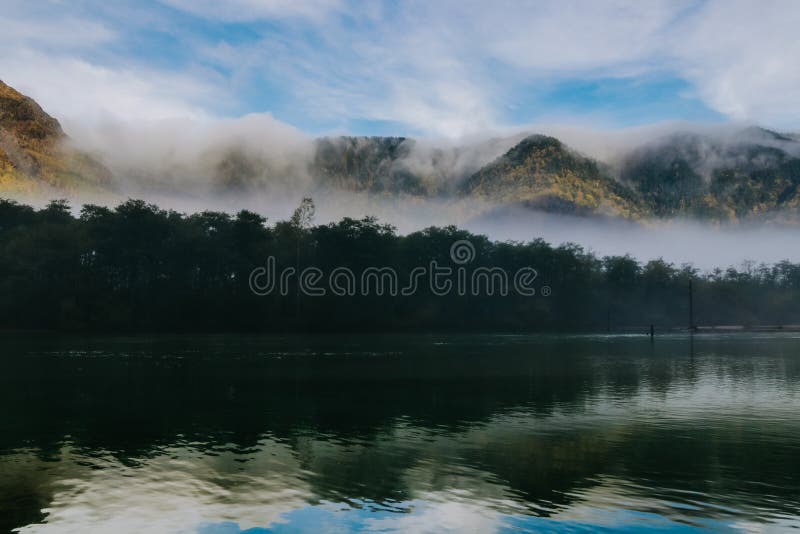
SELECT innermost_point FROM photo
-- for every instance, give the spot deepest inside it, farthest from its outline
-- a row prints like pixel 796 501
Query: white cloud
pixel 742 58
pixel 244 10
pixel 563 36
pixel 69 32
pixel 54 56
pixel 448 68
pixel 186 156
pixel 433 67
pixel 72 88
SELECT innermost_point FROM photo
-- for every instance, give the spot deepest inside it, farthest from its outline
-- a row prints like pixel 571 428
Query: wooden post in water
pixel 691 308
pixel 651 332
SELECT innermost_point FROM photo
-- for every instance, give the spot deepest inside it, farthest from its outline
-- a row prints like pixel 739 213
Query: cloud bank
pixel 446 68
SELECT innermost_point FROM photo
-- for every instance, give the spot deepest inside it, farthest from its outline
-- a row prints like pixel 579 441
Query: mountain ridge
pixel 741 174
pixel 542 172
pixel 35 154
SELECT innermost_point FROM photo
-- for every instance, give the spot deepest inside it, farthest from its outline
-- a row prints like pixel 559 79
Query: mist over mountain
pixel 542 173
pixel 371 164
pixel 729 176
pixel 719 174
pixel 36 155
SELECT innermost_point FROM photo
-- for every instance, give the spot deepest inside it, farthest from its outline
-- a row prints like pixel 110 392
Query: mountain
pixel 400 165
pixel 741 174
pixel 371 164
pixel 723 175
pixel 541 172
pixel 35 155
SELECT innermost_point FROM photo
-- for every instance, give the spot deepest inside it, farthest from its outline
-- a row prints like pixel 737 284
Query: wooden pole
pixel 691 308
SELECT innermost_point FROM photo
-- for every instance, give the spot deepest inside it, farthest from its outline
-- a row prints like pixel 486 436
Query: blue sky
pixel 425 68
pixel 413 518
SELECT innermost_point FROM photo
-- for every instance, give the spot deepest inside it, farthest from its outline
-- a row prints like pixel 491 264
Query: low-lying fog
pixel 705 245
pixel 173 164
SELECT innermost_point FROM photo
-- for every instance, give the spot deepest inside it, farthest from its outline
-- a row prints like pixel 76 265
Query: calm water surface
pixel 462 433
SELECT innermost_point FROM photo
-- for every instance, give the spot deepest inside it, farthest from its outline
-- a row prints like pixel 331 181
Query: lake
pixel 407 433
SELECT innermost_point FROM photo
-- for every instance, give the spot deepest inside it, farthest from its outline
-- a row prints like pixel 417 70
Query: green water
pixel 423 433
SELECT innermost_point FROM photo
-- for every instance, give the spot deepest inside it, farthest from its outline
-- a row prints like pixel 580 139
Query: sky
pixel 420 68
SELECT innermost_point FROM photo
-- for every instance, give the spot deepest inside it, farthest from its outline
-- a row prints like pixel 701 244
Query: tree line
pixel 136 267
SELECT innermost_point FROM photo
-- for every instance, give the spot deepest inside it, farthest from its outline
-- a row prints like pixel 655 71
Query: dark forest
pixel 140 268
